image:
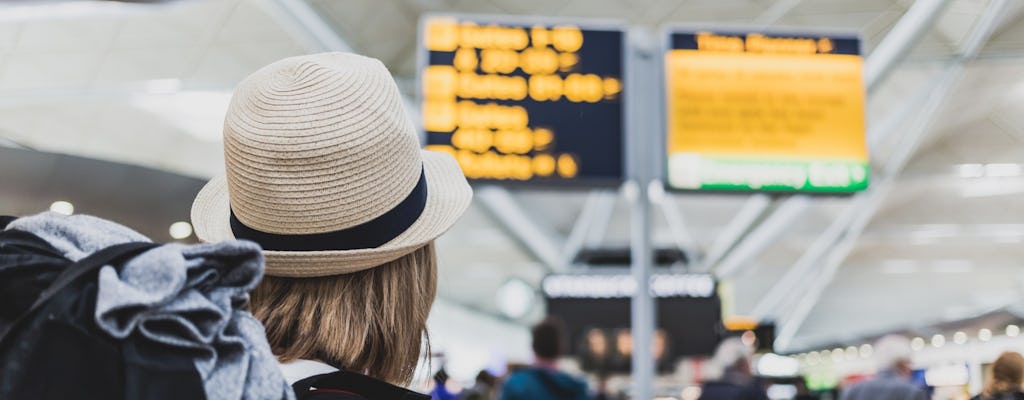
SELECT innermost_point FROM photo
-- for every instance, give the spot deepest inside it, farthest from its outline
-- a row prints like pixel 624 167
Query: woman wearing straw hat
pixel 324 171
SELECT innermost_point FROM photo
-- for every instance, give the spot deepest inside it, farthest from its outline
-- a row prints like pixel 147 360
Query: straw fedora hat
pixel 324 170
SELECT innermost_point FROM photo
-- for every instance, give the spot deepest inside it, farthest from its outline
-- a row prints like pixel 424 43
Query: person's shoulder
pixel 569 377
pixel 569 380
pixel 330 394
pixel 853 392
pixel 346 385
pixel 519 376
pixel 754 392
pixel 517 381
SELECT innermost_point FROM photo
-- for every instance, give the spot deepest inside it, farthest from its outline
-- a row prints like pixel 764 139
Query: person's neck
pixel 549 363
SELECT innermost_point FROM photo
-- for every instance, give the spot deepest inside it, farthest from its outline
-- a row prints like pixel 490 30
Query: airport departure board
pixel 754 111
pixel 528 103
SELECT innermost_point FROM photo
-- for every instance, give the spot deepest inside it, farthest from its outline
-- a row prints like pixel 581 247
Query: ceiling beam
pixel 867 203
pixel 782 290
pixel 770 230
pixel 775 12
pixel 879 64
pixel 677 226
pixel 542 242
pixel 748 214
pixel 918 19
pixel 596 212
pixel 300 19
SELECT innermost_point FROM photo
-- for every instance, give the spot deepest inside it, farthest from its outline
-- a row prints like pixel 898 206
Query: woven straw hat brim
pixel 448 196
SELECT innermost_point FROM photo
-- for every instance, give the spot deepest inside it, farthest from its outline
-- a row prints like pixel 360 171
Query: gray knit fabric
pixel 188 297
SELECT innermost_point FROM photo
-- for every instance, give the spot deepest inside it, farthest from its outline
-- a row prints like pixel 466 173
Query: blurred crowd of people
pixel 729 376
pixel 540 381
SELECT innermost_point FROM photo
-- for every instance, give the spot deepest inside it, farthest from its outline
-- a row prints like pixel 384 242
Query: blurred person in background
pixel 440 390
pixel 729 375
pixel 543 380
pixel 1005 383
pixel 893 354
pixel 325 172
pixel 802 392
pixel 483 389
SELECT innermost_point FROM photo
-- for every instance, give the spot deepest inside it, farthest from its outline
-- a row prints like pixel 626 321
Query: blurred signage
pixel 603 286
pixel 596 308
pixel 765 111
pixel 947 375
pixel 761 334
pixel 524 102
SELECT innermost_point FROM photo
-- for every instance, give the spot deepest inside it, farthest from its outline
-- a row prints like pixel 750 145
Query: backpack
pixel 53 348
pixel 135 320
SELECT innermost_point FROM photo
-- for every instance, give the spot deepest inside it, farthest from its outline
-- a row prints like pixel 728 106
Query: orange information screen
pixel 753 111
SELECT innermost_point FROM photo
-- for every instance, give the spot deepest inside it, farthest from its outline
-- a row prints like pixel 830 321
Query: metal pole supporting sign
pixel 641 128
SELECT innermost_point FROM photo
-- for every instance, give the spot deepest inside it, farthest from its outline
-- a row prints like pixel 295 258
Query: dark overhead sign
pixel 596 308
pixel 524 102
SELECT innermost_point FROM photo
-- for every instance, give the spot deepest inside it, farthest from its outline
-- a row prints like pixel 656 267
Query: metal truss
pixel 907 32
pixel 842 236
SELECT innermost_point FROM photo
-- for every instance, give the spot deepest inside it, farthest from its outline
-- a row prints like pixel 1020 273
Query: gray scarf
pixel 190 297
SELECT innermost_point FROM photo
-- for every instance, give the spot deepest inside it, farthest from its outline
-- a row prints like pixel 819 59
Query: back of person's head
pixel 370 321
pixel 485 378
pixel 547 339
pixel 323 169
pixel 893 353
pixel 731 354
pixel 1007 374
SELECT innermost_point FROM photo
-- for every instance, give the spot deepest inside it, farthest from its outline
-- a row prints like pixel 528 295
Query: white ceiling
pixel 148 85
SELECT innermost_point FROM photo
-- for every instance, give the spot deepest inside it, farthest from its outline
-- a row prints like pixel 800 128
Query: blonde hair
pixel 1007 373
pixel 371 321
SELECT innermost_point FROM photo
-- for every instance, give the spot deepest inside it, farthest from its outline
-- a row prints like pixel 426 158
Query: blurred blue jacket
pixel 887 385
pixel 543 384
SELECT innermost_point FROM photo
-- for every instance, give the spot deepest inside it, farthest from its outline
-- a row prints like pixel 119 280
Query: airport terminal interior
pixel 810 176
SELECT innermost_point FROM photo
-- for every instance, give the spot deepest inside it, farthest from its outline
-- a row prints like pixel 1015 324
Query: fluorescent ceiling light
pixel 772 364
pixel 994 170
pixel 934 231
pixel 62 207
pixel 515 298
pixel 180 230
pixel 1002 170
pixel 952 266
pixel 990 188
pixel 903 267
pixel 162 86
pixel 971 170
pixel 900 267
pixel 949 375
pixel 922 240
pixel 197 113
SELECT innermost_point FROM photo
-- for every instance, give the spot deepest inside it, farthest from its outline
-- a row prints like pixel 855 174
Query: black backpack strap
pixel 357 386
pixel 6 220
pixel 77 270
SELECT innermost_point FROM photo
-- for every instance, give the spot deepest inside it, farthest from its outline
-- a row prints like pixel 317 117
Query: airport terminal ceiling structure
pixel 77 79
